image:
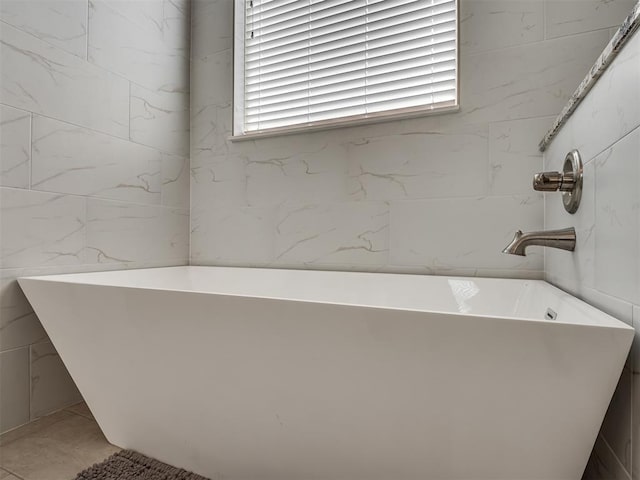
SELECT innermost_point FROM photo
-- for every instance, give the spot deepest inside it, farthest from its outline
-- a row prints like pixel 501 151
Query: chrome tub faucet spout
pixel 564 239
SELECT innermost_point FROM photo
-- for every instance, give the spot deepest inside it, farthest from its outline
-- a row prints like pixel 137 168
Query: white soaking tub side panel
pixel 250 388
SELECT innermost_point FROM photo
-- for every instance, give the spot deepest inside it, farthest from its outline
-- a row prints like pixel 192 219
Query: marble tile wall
pixel 605 268
pixel 94 163
pixel 440 194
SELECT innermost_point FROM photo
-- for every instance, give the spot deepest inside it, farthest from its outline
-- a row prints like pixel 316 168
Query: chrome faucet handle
pixel 552 181
pixel 547 181
pixel 569 181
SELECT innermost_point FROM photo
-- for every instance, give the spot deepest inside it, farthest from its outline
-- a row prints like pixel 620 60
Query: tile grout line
pixel 102 199
pixel 31 419
pixel 67 409
pixel 550 117
pixel 544 19
pixel 31 423
pixel 635 414
pixel 410 200
pixel 181 155
pixel 478 52
pixel 87 33
pixel 79 268
pixel 613 454
pixel 12 473
pixel 13 349
pixel 631 402
pixel 615 142
pixel 535 43
pixel 488 168
pixel 30 150
pixel 100 67
pixel 129 116
pixel 85 232
pixel 49 44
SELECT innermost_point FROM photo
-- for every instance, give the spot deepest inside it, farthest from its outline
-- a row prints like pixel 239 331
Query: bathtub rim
pixel 609 321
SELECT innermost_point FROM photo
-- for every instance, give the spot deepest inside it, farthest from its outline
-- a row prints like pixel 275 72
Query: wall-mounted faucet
pixel 564 239
pixel 569 181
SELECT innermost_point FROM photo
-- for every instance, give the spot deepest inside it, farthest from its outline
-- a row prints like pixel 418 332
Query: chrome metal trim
pixel 629 27
pixel 573 169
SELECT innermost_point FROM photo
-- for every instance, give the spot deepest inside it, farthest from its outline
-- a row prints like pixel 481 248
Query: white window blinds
pixel 313 62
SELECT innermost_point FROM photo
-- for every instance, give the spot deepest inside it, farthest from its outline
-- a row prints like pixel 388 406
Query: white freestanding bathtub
pixel 245 374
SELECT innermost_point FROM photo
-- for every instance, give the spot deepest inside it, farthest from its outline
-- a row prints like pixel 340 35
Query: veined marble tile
pixel 306 175
pixel 52 388
pixel 514 156
pixel 616 426
pixel 306 142
pixel 160 119
pixel 150 21
pixel 564 17
pixel 420 270
pixel 144 14
pixel 490 24
pixel 14 273
pixel 14 388
pixel 617 256
pixel 62 23
pixel 573 272
pixel 15 148
pixel 212 79
pixel 41 228
pixel 176 26
pixel 70 159
pixel 636 351
pixel 233 235
pixel 348 232
pixel 635 425
pixel 175 181
pixel 499 273
pixel 123 232
pixel 526 78
pixel 533 80
pixel 464 232
pixel 566 141
pixel 416 165
pixel 19 325
pixel 129 38
pixel 613 306
pixel 211 27
pixel 44 79
pixel 611 105
pixel 218 183
pixel 210 129
pixel 608 56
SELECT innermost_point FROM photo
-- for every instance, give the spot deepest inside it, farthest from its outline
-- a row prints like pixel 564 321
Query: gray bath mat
pixel 130 465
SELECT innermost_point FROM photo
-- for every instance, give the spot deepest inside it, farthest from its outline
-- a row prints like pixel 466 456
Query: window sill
pixel 353 122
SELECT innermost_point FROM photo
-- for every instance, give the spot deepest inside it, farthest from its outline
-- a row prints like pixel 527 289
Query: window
pixel 314 63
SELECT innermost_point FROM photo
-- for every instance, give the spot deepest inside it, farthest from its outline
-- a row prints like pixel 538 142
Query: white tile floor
pixel 55 447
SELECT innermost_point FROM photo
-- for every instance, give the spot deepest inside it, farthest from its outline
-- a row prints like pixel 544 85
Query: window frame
pixel 237 101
